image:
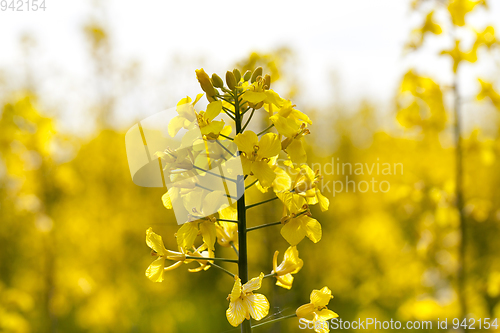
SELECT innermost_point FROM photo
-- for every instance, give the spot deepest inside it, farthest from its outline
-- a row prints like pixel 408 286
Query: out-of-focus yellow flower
pixel 417 36
pixel 487 37
pixel 157 268
pixel 244 303
pixel 458 56
pixel 297 221
pixel 316 311
pixel 256 155
pixel 291 264
pixel 487 91
pixel 459 8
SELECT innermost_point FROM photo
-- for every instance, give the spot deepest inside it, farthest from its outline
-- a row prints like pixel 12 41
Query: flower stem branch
pixel 263 226
pixel 260 203
pixel 216 259
pixel 222 269
pixel 275 320
pixel 267 129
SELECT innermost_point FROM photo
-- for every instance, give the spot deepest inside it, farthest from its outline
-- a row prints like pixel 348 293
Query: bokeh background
pixel 75 77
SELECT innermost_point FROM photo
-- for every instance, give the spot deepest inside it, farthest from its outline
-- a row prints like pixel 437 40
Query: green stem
pixel 246 325
pixel 235 249
pixel 214 174
pixel 263 226
pixel 227 137
pixel 247 187
pixel 248 120
pixel 222 269
pixel 269 275
pixel 275 320
pixel 260 203
pixel 216 259
pixel 226 220
pixel 267 129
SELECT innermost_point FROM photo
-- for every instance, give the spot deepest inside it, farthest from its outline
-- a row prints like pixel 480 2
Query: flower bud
pixel 237 75
pixel 205 83
pixel 257 72
pixel 230 80
pixel 267 81
pixel 217 81
pixel 247 75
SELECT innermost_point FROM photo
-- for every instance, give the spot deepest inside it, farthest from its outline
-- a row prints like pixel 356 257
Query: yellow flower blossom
pixel 256 155
pixel 487 91
pixel 458 56
pixel 227 232
pixel 258 94
pixel 304 183
pixel 244 303
pixel 188 117
pixel 296 220
pixel 459 8
pixel 157 268
pixel 316 311
pixel 291 264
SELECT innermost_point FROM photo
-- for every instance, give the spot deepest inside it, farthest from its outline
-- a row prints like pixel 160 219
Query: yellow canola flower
pixel 487 91
pixel 227 232
pixel 258 94
pixel 244 303
pixel 316 311
pixel 188 116
pixel 155 271
pixel 458 56
pixel 256 155
pixel 304 183
pixel 292 124
pixel 459 8
pixel 487 37
pixel 291 264
pixel 296 220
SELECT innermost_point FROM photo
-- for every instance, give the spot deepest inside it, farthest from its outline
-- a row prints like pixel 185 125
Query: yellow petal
pixel 321 298
pixel 213 110
pixel 246 142
pixel 313 228
pixel 257 305
pixel 324 203
pixel 246 165
pixel 296 152
pixel 263 173
pixel 325 315
pixel 293 232
pixel 175 125
pixel 168 197
pixel 155 242
pixel 187 234
pixel 253 96
pixel 229 213
pixel 236 291
pixel 155 270
pixel 285 126
pixel 214 127
pixel 273 98
pixel 282 182
pixel 236 312
pixel 253 284
pixel 285 281
pixel 208 233
pixel 269 145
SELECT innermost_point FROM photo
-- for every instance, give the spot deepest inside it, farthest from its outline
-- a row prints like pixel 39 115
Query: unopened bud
pixel 205 83
pixel 267 81
pixel 217 81
pixel 247 76
pixel 257 72
pixel 237 75
pixel 230 80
